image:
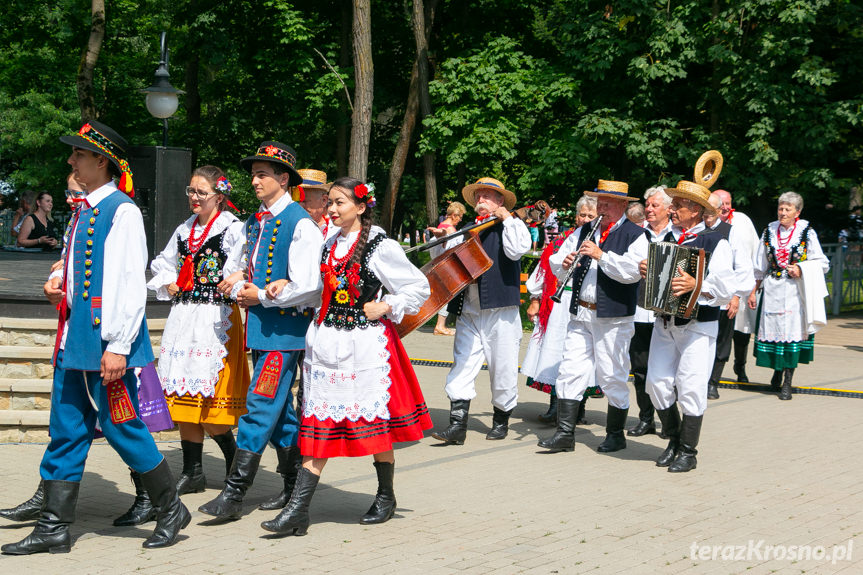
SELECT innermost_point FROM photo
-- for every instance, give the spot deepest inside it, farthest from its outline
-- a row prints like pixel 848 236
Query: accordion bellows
pixel 664 262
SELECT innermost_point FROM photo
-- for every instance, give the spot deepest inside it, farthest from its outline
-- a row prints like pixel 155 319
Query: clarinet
pixel 561 287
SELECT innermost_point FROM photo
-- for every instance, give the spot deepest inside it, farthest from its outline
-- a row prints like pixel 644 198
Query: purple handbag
pixel 151 401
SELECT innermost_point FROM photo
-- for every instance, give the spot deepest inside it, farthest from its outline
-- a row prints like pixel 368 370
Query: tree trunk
pixel 342 120
pixel 421 37
pixel 361 124
pixel 86 101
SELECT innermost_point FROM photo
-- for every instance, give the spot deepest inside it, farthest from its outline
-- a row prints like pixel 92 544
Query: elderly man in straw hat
pixel 489 325
pixel 313 195
pixel 604 294
pixel 680 350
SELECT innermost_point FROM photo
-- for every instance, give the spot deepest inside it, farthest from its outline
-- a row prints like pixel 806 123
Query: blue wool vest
pixel 707 239
pixel 613 299
pixel 84 344
pixel 274 328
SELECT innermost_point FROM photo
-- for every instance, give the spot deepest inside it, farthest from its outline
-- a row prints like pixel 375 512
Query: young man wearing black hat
pixel 283 243
pixel 102 335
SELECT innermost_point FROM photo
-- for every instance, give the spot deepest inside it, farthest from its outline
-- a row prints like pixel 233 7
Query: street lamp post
pixel 162 96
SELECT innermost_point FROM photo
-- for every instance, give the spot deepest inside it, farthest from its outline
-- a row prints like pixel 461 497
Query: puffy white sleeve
pixel 235 247
pixel 304 269
pixel 124 284
pixel 720 280
pixel 742 254
pixel 164 267
pixel 814 253
pixel 516 238
pixel 759 263
pixel 624 267
pixel 568 246
pixel 535 282
pixel 407 286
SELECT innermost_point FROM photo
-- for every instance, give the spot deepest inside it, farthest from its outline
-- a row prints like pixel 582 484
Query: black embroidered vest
pixel 340 313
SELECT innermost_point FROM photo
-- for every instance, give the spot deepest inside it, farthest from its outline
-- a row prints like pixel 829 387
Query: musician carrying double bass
pixel 604 294
pixel 681 350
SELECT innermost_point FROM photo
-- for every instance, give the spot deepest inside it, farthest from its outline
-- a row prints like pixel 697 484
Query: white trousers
pixel 680 363
pixel 492 335
pixel 596 352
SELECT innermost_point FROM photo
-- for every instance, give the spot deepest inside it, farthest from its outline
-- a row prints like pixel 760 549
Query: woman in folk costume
pixel 545 350
pixel 360 392
pixel 790 266
pixel 202 364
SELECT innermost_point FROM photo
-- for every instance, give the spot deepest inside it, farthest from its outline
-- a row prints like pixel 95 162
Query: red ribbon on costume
pixel 684 235
pixel 481 219
pixel 186 277
pixel 730 215
pixel 260 215
pixel 605 233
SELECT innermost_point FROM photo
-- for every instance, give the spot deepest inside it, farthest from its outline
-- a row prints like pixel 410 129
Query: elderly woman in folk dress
pixel 790 267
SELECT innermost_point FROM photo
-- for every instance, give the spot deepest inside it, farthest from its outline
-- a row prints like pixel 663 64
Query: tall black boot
pixel 670 419
pixel 564 438
pixel 229 503
pixel 192 478
pixel 646 423
pixel 614 438
pixel 456 433
pixel 499 424
pixel 51 533
pixel 690 430
pixel 27 511
pixel 741 345
pixel 385 501
pixel 580 419
pixel 785 392
pixel 550 416
pixel 290 462
pixel 713 382
pixel 142 509
pixel 776 380
pixel 173 515
pixel 294 518
pixel 228 445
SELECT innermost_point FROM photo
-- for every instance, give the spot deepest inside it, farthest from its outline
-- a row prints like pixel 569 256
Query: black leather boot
pixel 642 428
pixel 142 509
pixel 192 479
pixel 290 462
pixel 785 392
pixel 670 419
pixel 499 424
pixel 51 533
pixel 457 431
pixel 228 445
pixel 385 501
pixel 614 438
pixel 172 514
pixel 229 503
pixel 713 382
pixel 294 518
pixel 564 438
pixel 690 430
pixel 27 511
pixel 580 419
pixel 550 416
pixel 776 380
pixel 741 345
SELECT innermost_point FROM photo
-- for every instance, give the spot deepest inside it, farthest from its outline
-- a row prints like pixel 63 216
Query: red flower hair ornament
pixel 364 190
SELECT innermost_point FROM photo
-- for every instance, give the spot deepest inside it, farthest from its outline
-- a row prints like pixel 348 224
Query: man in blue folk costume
pixel 102 336
pixel 283 243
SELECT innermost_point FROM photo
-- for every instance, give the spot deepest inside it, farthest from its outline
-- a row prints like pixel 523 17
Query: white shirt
pixel 741 261
pixel 304 261
pixel 645 315
pixel 164 266
pixel 621 268
pixel 124 283
pixel 720 279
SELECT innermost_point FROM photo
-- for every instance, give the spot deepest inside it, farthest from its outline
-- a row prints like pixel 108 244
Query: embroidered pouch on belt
pixel 271 372
pixel 119 403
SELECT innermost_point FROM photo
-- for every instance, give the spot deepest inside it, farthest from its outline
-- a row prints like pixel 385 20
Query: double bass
pixel 455 269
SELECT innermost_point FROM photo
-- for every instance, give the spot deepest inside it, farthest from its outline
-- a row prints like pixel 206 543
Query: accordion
pixel 663 261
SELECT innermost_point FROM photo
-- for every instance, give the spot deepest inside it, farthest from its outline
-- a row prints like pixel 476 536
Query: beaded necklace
pixel 186 275
pixel 195 244
pixel 337 265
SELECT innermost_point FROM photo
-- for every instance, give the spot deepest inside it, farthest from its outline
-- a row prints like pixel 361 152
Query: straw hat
pixel 612 189
pixel 314 180
pixel 469 192
pixel 707 170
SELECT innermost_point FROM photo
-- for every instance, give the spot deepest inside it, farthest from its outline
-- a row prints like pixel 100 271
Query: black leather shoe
pixel 690 431
pixel 51 533
pixel 142 509
pixel 290 461
pixel 564 437
pixel 27 511
pixel 614 438
pixel 785 392
pixel 499 424
pixel 384 505
pixel 643 428
pixel 294 518
pixel 229 503
pixel 192 479
pixel 740 374
pixel 712 391
pixel 456 433
pixel 172 514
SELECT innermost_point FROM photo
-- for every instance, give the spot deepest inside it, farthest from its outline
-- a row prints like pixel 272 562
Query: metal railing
pixel 845 278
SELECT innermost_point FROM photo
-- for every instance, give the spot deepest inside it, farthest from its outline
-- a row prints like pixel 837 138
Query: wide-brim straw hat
pixel 692 191
pixel 611 189
pixel 276 153
pixel 469 192
pixel 314 180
